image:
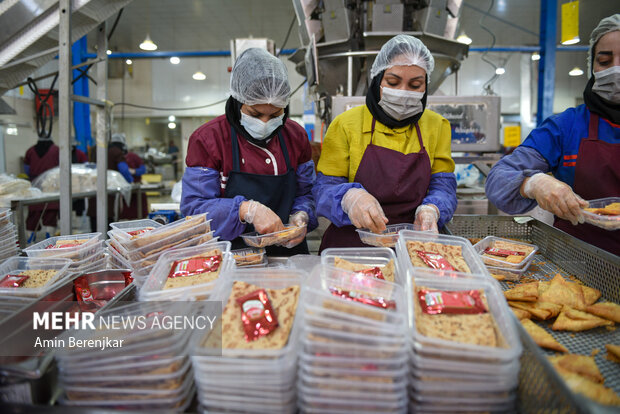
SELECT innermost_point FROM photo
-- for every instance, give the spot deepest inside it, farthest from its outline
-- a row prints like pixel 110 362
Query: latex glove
pixel 298 219
pixel 364 210
pixel 261 216
pixel 132 171
pixel 555 196
pixel 426 216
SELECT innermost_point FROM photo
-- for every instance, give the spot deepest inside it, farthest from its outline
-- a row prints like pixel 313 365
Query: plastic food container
pixel 250 257
pixel 135 224
pixel 262 240
pixel 387 238
pixel 173 232
pixel 490 242
pixel 607 222
pixel 164 244
pixel 140 266
pixel 368 256
pixel 75 253
pixel 16 265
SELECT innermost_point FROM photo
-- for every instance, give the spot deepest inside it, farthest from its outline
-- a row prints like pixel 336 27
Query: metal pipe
pixel 546 64
pixel 529 49
pixel 64 114
pixel 349 75
pixel 87 100
pixel 101 131
pixel 168 54
pixel 31 57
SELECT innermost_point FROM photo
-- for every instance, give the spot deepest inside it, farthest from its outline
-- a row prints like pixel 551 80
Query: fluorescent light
pixel 172 125
pixel 175 60
pixel 571 41
pixel 129 61
pixel 108 52
pixel 199 76
pixel 463 38
pixel 500 71
pixel 148 44
pixel 576 71
pixel 172 118
pixel 535 56
pixel 11 130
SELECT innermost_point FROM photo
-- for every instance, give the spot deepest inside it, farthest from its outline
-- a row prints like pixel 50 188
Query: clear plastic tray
pixel 97 253
pixel 159 246
pixel 369 256
pixel 508 274
pixel 507 385
pixel 490 241
pixel 470 256
pixel 146 264
pixel 387 238
pixel 134 224
pixel 250 256
pixel 172 232
pixel 352 384
pixel 75 253
pixel 159 274
pixel 456 365
pixel 374 395
pixel 262 240
pixel 15 265
pixel 600 220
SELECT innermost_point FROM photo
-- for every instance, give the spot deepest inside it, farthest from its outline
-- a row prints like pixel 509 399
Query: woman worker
pixel 387 161
pixel 580 147
pixel 252 167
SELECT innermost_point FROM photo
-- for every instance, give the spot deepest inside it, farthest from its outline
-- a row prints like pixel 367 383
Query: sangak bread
pixel 167 231
pixel 37 277
pixel 200 278
pixel 284 304
pixel 453 254
pixel 71 243
pixel 387 270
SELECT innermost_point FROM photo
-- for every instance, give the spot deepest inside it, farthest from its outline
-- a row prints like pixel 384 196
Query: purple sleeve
pixel 123 168
pixel 304 200
pixel 27 170
pixel 328 192
pixel 140 170
pixel 201 193
pixel 442 193
pixel 505 178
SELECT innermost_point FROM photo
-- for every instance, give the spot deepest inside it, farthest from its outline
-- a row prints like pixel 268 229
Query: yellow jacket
pixel 350 132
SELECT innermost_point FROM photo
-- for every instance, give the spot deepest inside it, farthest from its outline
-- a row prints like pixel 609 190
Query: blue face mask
pixel 259 129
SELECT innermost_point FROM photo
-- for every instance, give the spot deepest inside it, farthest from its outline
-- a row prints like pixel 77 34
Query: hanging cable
pixel 118 17
pixel 288 33
pixel 45 114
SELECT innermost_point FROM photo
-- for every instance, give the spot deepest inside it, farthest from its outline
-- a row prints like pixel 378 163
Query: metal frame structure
pixel 546 65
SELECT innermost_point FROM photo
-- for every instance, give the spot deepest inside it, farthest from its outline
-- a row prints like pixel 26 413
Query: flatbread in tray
pixel 166 231
pixel 387 270
pixel 453 254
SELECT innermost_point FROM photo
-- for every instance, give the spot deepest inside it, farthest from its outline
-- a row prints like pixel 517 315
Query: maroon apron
pixel 398 181
pixel 39 165
pixel 597 175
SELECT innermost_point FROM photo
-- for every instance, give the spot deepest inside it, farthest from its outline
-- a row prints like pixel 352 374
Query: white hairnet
pixel 608 24
pixel 118 137
pixel 403 50
pixel 258 77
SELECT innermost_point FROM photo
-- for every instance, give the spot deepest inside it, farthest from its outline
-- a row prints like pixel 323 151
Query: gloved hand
pixel 426 216
pixel 364 210
pixel 555 196
pixel 261 216
pixel 298 219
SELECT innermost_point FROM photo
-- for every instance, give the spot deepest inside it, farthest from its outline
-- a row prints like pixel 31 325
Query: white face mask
pixel 401 104
pixel 259 129
pixel 607 84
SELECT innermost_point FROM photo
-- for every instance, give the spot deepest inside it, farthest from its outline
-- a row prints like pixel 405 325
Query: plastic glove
pixel 426 216
pixel 364 210
pixel 555 196
pixel 298 219
pixel 261 216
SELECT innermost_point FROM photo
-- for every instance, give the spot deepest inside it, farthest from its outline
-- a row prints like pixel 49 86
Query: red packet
pixel 195 266
pixel 13 281
pixel 435 260
pixel 63 246
pixel 141 231
pixel 360 297
pixel 501 252
pixel 128 278
pixel 84 295
pixel 451 302
pixel 257 315
pixel 374 272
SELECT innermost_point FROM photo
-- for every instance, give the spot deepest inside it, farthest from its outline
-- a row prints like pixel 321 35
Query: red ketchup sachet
pixel 374 272
pixel 13 281
pixel 435 260
pixel 501 252
pixel 257 315
pixel 451 302
pixel 360 297
pixel 195 266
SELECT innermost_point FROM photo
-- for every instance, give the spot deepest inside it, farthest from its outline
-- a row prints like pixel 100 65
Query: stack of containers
pixel 8 235
pixel 353 344
pixel 121 232
pixel 501 266
pixel 154 287
pixel 151 371
pixel 454 376
pixel 86 251
pixel 250 380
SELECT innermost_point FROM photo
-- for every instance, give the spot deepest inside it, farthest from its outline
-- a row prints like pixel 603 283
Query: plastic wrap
pixel 177 191
pixel 12 188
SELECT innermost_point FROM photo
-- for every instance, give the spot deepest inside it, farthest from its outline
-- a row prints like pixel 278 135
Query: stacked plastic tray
pixel 387 238
pixel 85 257
pixel 450 376
pixel 367 256
pixel 150 372
pixel 353 355
pixel 153 288
pixel 512 271
pixel 121 233
pixel 8 235
pixel 250 257
pixel 250 380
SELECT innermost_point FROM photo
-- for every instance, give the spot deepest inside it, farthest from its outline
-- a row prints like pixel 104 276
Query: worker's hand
pixel 555 196
pixel 132 171
pixel 426 217
pixel 298 219
pixel 261 216
pixel 364 210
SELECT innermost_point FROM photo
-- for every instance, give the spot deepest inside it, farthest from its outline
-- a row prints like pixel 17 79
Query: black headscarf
pixel 233 116
pixel 42 146
pixel 373 96
pixel 598 105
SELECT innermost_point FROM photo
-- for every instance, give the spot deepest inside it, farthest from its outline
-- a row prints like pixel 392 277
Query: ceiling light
pixel 148 44
pixel 463 38
pixel 500 71
pixel 576 71
pixel 571 41
pixel 108 52
pixel 199 76
pixel 172 118
pixel 535 56
pixel 172 125
pixel 129 61
pixel 175 60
